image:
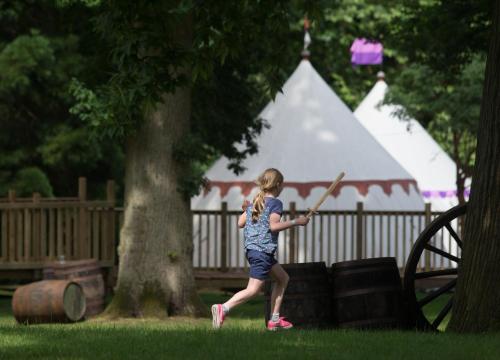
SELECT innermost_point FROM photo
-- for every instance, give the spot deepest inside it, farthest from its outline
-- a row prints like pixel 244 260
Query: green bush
pixel 30 180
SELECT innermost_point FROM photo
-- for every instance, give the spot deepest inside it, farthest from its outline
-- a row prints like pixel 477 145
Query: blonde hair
pixel 269 182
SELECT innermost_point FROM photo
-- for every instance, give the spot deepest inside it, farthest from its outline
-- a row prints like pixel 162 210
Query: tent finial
pixel 307 39
pixel 381 75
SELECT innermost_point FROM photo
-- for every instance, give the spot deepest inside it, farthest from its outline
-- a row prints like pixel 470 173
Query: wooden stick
pixel 325 195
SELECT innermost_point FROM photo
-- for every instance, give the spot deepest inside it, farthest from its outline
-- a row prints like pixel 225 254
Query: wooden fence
pixel 38 230
pixel 331 236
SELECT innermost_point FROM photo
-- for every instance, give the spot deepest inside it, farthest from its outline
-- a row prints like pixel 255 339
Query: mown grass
pixel 242 337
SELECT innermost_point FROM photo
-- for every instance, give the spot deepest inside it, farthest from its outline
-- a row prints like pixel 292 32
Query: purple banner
pixel 366 52
pixel 442 193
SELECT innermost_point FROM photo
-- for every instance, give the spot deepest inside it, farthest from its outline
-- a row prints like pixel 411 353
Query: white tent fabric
pixel 411 145
pixel 313 137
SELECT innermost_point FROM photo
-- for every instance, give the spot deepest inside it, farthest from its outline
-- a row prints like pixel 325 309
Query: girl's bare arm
pixel 276 225
pixel 242 220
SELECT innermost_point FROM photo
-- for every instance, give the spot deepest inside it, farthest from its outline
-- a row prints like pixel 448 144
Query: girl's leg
pixel 253 288
pixel 281 281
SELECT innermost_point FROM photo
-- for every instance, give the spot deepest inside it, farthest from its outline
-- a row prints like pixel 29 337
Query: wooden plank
pixel 12 235
pixel 43 234
pixel 359 230
pixel 98 236
pixel 223 238
pixel 60 233
pixel 68 235
pixel 3 235
pixel 293 234
pixel 40 265
pixel 110 227
pixel 19 237
pixel 35 227
pixel 74 222
pixel 54 205
pixel 111 237
pixel 82 220
pixel 52 234
pixel 27 235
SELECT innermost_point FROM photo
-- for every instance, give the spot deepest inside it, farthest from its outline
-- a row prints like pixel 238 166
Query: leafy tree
pixel 166 54
pixel 476 308
pixel 450 110
pixel 42 47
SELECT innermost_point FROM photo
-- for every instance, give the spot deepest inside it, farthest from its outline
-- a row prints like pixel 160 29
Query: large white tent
pixel 313 136
pixel 412 146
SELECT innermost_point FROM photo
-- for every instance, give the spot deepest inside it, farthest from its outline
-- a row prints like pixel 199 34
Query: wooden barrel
pixel 367 294
pixel 88 274
pixel 48 301
pixel 306 303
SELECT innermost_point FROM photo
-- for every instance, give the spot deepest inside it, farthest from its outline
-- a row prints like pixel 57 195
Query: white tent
pixel 410 144
pixel 313 137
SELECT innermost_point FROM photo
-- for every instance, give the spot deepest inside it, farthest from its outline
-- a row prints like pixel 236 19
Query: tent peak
pixel 307 39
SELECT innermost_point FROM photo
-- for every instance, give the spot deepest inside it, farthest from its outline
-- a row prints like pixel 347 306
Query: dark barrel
pixel 306 302
pixel 367 294
pixel 88 274
pixel 48 301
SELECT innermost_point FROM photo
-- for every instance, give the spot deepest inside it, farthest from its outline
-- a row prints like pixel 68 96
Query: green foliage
pixel 342 21
pixel 443 34
pixel 43 46
pixel 450 110
pixel 30 180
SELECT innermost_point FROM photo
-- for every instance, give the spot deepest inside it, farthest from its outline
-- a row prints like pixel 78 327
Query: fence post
pixel 359 230
pixel 82 220
pixel 293 235
pixel 223 237
pixel 111 231
pixel 37 253
pixel 12 227
pixel 427 254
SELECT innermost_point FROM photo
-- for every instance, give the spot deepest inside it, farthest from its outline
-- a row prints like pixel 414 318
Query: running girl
pixel 261 223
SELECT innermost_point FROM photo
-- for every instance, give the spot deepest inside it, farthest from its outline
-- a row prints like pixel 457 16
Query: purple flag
pixel 366 52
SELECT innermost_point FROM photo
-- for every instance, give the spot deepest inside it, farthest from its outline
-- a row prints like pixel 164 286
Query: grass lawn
pixel 242 337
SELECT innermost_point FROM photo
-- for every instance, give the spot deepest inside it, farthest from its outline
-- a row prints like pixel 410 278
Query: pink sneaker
pixel 280 324
pixel 217 316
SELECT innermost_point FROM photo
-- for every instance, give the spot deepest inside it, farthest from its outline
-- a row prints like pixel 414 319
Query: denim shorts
pixel 260 264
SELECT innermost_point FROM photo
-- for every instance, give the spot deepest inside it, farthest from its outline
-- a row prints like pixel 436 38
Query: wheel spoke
pixel 442 313
pixel 454 235
pixel 442 253
pixel 428 274
pixel 437 293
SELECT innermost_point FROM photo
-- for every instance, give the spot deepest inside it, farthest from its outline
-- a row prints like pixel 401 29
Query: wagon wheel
pixel 427 241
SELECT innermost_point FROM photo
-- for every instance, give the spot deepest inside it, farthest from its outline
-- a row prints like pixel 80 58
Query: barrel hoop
pixel 364 262
pixel 374 321
pixel 374 290
pixel 302 296
pixel 378 269
pixel 67 274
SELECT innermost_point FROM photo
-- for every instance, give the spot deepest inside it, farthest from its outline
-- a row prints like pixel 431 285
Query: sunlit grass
pixel 242 337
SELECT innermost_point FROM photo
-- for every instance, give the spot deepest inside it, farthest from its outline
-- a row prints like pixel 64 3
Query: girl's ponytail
pixel 269 181
pixel 258 206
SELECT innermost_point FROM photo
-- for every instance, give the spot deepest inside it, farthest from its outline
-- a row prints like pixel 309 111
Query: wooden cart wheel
pixel 413 272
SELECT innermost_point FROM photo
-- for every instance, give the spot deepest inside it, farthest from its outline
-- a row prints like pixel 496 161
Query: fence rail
pixel 331 236
pixel 37 231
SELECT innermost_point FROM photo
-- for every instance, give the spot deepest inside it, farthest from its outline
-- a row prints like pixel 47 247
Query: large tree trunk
pixel 477 299
pixel 155 276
